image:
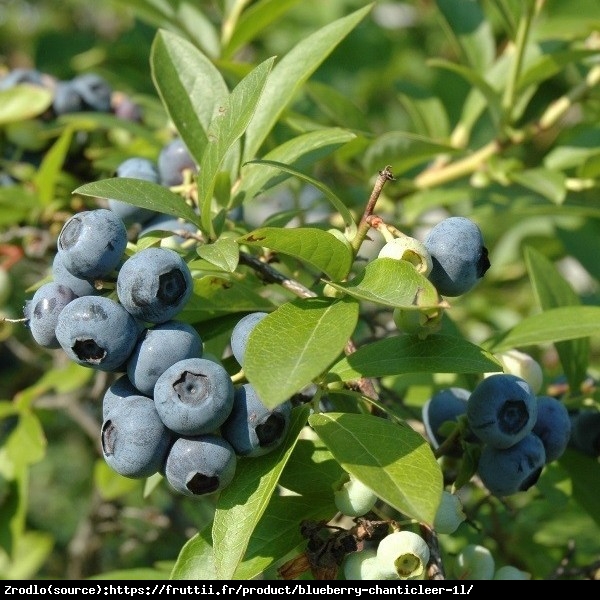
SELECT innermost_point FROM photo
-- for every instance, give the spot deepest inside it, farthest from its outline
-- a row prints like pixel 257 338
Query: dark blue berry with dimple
pixel 173 159
pixel 241 332
pixel 154 284
pixel 135 442
pixel 136 167
pixel 194 396
pixel 160 347
pixel 97 332
pixel 252 428
pixel 506 471
pixel 200 465
pixel 502 410
pixel 458 255
pixel 44 309
pixel 552 426
pixel 91 243
pixel 60 274
pixel 117 393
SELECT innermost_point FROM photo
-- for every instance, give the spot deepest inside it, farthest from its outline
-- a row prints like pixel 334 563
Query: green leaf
pixel 291 72
pixel 426 110
pixel 196 558
pixel 242 503
pixel 585 478
pixel 299 152
pixel 547 182
pixel 408 354
pixel 26 445
pixel 139 574
pixel 50 168
pixel 254 20
pixel 109 483
pixel 225 129
pixel 190 87
pixel 224 254
pixel 550 326
pixel 317 247
pixel 391 282
pixel 23 102
pixel 296 343
pixel 140 193
pixel 337 106
pixel 552 291
pixel 582 145
pixel 215 295
pixel 392 459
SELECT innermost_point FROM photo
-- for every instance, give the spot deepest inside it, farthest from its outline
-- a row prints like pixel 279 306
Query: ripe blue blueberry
pixel 200 465
pixel 159 348
pixel 585 434
pixel 97 332
pixel 21 75
pixel 91 243
pixel 552 426
pixel 502 410
pixel 241 332
pixel 458 255
pixel 173 159
pixel 447 404
pixel 154 284
pixel 66 99
pixel 43 311
pixel 117 393
pixel 506 471
pixel 135 442
pixel 252 428
pixel 79 285
pixel 94 91
pixel 194 396
pixel 136 167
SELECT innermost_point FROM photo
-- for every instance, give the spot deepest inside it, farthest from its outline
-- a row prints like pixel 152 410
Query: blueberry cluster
pixel 171 411
pixel 519 432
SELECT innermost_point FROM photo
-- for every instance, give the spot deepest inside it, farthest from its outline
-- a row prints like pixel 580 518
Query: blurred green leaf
pixel 291 72
pixel 317 247
pixel 109 483
pixel 392 459
pixel 223 253
pixel 140 193
pixel 338 107
pixel 408 354
pixel 550 326
pixel 427 111
pixel 23 102
pixel 32 550
pixel 241 505
pixel 391 282
pixel 190 87
pixel 570 153
pixel 226 128
pixel 585 478
pixel 140 574
pixel 548 183
pixel 295 343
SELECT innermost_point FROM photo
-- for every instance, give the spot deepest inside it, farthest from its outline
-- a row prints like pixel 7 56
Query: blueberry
pixel 91 243
pixel 194 396
pixel 159 348
pixel 459 258
pixel 447 404
pixel 97 332
pixel 502 410
pixel 352 497
pixel 154 284
pixel 136 167
pixel 585 434
pixel 362 565
pixel 22 75
pixel 173 159
pixel 43 311
pixel 552 426
pixel 252 428
pixel 79 285
pixel 403 555
pixel 94 91
pixel 241 332
pixel 474 562
pixel 449 514
pixel 117 393
pixel 506 471
pixel 135 441
pixel 126 108
pixel 200 465
pixel 66 99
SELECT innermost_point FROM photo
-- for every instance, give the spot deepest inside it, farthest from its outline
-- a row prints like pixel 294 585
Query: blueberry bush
pixel 300 290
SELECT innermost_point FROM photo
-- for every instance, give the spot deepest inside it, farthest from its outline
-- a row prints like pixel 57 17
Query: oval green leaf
pixel 23 102
pixel 392 459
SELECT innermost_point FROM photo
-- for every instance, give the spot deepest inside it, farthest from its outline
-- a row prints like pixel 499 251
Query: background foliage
pixel 484 109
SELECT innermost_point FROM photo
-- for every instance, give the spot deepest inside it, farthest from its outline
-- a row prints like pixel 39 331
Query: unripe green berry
pixel 362 566
pixel 352 497
pixel 418 322
pixel 403 555
pixel 474 562
pixel 522 365
pixel 449 514
pixel 411 250
pixel 510 572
